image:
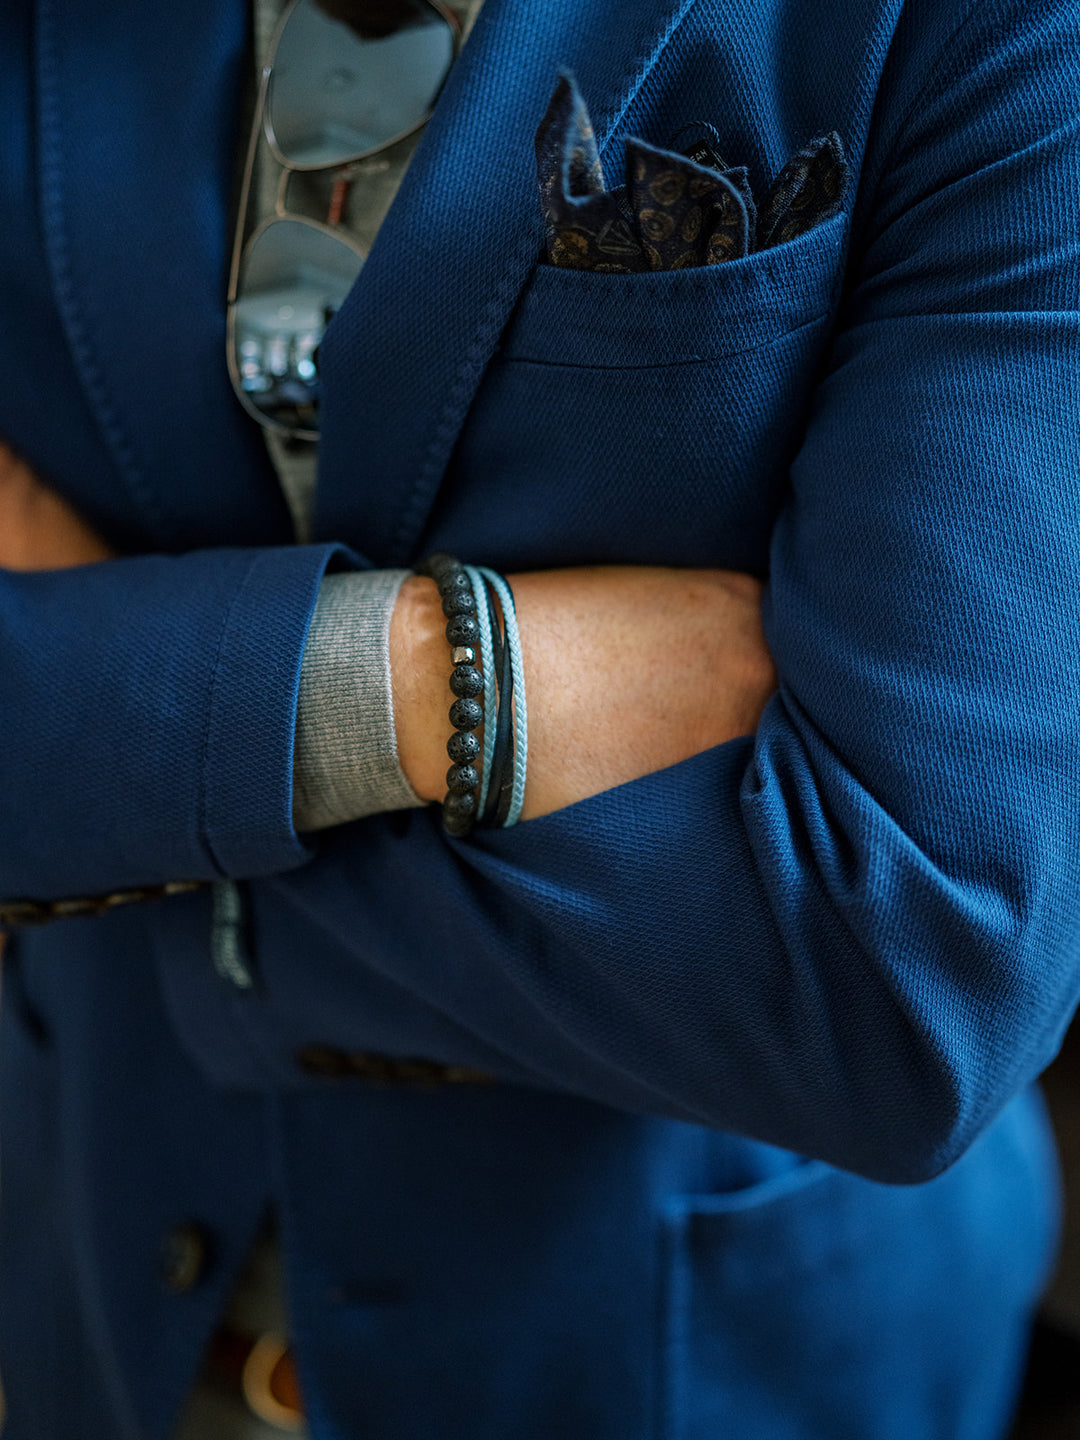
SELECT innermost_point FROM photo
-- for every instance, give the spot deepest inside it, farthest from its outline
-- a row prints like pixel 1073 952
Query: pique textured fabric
pixel 762 1157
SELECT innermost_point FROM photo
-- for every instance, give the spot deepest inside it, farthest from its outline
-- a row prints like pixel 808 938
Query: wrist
pixel 419 681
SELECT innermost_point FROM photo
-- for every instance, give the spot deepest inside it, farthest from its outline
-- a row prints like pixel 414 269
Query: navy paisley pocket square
pixel 673 212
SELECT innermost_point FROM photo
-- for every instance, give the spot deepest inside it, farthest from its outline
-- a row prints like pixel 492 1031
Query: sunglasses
pixel 331 99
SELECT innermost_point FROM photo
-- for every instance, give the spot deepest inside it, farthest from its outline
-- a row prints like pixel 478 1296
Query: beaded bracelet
pixel 459 809
pixel 473 599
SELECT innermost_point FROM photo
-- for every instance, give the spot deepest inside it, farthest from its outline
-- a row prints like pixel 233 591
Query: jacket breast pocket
pixel 647 418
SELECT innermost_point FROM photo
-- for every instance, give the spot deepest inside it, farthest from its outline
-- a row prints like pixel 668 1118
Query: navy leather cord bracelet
pixel 501 783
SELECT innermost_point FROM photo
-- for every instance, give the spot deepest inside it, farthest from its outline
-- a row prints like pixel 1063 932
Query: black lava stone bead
pixel 467 682
pixel 466 714
pixel 440 561
pixel 459 807
pixel 460 779
pixel 451 584
pixel 463 630
pixel 463 747
pixel 459 602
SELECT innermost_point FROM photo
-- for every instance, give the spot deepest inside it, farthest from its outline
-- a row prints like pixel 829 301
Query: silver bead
pixel 463 655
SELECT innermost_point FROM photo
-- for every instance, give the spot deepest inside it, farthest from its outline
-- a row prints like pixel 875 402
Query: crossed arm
pixel 630 668
pixel 858 938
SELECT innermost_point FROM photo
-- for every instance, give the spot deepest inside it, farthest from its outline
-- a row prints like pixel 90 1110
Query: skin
pixel 628 668
pixel 38 529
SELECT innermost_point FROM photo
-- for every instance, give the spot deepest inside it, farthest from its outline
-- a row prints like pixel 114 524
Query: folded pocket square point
pixel 673 212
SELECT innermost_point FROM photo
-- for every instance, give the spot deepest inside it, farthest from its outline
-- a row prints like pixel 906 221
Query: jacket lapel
pixel 139 139
pixel 404 355
pixel 139 133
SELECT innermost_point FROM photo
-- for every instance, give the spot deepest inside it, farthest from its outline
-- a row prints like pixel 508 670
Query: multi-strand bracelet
pixel 486 782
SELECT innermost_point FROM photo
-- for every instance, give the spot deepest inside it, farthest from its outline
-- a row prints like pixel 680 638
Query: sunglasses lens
pixel 293 277
pixel 335 93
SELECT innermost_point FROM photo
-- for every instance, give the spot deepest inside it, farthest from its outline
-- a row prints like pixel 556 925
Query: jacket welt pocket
pixel 586 319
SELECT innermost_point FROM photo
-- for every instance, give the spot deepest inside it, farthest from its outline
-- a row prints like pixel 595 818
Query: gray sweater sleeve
pixel 345 761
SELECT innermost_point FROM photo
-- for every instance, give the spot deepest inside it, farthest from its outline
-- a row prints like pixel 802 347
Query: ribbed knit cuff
pixel 346 761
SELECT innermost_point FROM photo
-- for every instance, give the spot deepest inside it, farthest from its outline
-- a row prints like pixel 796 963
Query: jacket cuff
pixel 248 755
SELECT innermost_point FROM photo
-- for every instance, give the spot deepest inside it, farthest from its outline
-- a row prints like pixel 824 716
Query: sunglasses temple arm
pixel 245 186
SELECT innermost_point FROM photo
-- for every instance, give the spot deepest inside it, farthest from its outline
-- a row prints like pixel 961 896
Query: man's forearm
pixel 629 669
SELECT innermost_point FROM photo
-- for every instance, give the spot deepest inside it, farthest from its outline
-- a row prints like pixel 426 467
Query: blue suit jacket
pixel 733 1008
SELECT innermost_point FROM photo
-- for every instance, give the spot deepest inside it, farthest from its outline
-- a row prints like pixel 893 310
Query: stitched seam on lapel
pixel 105 412
pixel 452 414
pixel 645 65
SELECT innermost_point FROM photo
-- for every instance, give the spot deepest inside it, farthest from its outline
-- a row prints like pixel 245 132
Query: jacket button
pixel 323 1060
pixel 185 1250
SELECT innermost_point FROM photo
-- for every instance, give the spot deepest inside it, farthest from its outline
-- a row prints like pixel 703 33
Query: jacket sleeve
pixel 148 712
pixel 854 935
pixel 857 934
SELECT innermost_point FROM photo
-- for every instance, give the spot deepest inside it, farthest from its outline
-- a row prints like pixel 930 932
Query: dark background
pixel 1051 1405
